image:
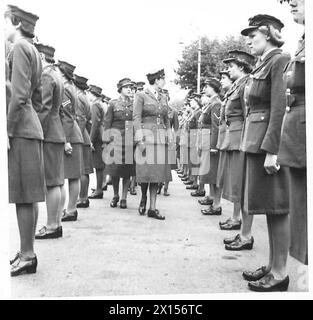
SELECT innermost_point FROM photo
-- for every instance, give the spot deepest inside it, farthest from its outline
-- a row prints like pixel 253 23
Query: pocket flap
pixel 259 117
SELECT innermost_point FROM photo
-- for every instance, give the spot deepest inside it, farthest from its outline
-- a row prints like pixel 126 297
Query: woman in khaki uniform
pixel 210 121
pixel 266 184
pixel 118 139
pixel 84 120
pixel 226 84
pixel 240 65
pixel 73 160
pixel 54 141
pixel 25 135
pixel 97 122
pixel 151 125
pixel 292 151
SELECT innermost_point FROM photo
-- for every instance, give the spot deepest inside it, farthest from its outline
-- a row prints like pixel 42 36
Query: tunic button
pixel 287 109
pixel 262 118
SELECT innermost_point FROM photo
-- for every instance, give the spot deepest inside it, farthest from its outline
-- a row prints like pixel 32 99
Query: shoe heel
pixel 31 269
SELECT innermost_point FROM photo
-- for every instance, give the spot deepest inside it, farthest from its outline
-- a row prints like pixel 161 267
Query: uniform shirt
pixel 83 115
pixel 52 95
pixel 26 100
pixel 97 120
pixel 69 113
pixel 266 102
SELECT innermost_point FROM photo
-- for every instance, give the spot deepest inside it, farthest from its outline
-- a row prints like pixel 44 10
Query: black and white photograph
pixel 154 149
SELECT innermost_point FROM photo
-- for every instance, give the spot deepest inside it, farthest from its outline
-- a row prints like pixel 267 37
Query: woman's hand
pixel 68 148
pixel 8 143
pixel 141 146
pixel 270 164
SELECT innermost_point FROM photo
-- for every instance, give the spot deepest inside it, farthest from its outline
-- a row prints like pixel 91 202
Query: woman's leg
pixel 84 186
pixel 217 197
pixel 236 212
pixel 280 241
pixel 27 220
pixel 74 188
pixel 153 195
pixel 247 221
pixel 126 184
pixel 99 175
pixel 53 199
pixel 144 189
pixel 116 184
pixel 61 205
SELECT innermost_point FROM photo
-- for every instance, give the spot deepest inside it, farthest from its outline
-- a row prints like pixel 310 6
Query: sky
pixel 110 40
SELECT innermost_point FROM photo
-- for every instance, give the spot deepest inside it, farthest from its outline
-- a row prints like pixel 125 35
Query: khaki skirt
pixel 264 193
pixel 26 171
pixel 74 163
pixel 53 154
pixel 97 160
pixel 87 155
pixel 220 177
pixel 233 176
pixel 152 164
pixel 298 215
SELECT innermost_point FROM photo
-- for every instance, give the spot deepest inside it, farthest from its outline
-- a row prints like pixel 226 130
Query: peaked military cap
pixel 22 14
pixel 281 1
pixel 153 75
pixel 224 72
pixel 124 83
pixel 140 84
pixel 81 82
pixel 67 68
pixel 262 20
pixel 95 90
pixel 214 83
pixel 48 51
pixel 241 57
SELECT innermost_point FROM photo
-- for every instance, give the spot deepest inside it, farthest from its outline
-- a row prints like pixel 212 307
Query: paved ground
pixel 117 252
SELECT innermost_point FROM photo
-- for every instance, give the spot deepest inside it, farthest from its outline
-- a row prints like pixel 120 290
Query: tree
pixel 212 55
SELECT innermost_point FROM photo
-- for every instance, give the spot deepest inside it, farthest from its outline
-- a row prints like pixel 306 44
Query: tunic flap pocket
pixel 259 117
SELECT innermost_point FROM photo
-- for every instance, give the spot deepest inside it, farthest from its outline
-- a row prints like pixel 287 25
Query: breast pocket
pixel 255 129
pixel 261 86
pixel 295 73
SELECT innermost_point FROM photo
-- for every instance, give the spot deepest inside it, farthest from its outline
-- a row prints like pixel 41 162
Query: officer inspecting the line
pixel 151 126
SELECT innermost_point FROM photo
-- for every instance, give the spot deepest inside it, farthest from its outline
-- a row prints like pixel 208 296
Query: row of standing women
pixel 255 156
pixel 58 130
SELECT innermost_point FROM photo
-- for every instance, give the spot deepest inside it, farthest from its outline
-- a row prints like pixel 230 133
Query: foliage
pixel 212 54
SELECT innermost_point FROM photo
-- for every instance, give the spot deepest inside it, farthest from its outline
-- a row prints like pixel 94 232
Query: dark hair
pixel 247 68
pixel 27 29
pixel 153 80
